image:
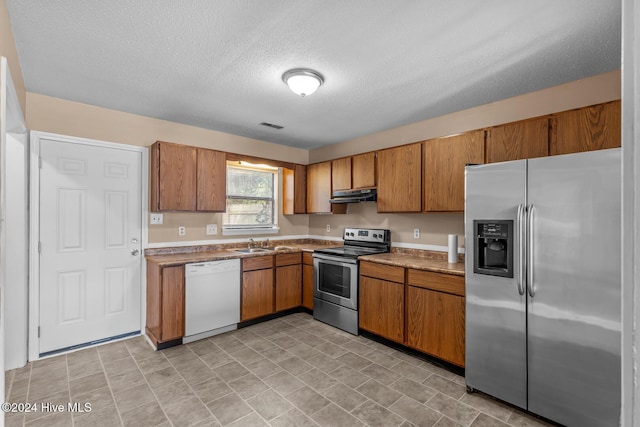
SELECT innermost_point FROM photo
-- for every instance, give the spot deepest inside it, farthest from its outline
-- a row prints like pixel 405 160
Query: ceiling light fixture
pixel 303 81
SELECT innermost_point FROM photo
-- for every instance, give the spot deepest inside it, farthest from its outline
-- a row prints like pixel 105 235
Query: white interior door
pixel 90 243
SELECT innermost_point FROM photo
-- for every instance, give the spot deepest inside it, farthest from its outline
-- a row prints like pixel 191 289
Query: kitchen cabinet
pixel 173 177
pixel 596 127
pixel 257 287
pixel 288 281
pixel 520 140
pixel 400 179
pixel 363 170
pixel 165 303
pixel 381 295
pixel 212 181
pixel 294 189
pixel 307 280
pixel 185 178
pixel 341 174
pixel 319 189
pixel 436 315
pixel 444 162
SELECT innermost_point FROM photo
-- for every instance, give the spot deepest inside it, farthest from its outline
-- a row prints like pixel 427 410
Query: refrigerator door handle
pixel 521 250
pixel 530 284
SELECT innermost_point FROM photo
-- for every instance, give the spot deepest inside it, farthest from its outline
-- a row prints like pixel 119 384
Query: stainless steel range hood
pixel 354 196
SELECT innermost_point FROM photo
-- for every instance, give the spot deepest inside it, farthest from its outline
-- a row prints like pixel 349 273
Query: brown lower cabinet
pixel 421 309
pixel 288 281
pixel 165 303
pixel 435 315
pixel 307 280
pixel 381 305
pixel 257 287
pixel 269 284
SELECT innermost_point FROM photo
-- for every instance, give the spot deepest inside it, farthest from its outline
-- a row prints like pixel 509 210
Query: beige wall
pixel 8 50
pixel 55 115
pixel 435 227
pixel 593 90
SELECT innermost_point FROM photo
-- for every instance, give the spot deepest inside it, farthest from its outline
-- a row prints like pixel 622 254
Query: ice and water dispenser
pixel 493 247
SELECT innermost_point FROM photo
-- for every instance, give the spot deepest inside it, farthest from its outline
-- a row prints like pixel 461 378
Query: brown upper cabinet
pixel 294 187
pixel 444 162
pixel 341 174
pixel 212 181
pixel 363 170
pixel 400 179
pixel 185 178
pixel 520 140
pixel 319 189
pixel 590 128
pixel 354 172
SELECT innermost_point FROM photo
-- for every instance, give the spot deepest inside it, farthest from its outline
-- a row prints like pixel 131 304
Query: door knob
pixel 135 252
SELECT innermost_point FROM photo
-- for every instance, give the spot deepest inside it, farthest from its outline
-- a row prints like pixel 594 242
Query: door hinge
pixel 40 162
pixel 38 331
pixel 39 247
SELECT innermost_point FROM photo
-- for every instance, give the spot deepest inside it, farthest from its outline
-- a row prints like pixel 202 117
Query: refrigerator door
pixel 574 288
pixel 496 349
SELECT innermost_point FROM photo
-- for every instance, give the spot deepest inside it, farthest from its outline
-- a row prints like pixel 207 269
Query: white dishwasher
pixel 212 298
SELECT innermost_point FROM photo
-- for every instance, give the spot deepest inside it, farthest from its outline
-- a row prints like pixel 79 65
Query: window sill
pixel 249 231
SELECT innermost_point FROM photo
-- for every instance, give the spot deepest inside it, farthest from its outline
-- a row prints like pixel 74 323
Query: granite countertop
pixel 419 260
pixel 172 259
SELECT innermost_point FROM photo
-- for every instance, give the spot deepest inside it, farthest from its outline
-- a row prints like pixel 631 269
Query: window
pixel 251 200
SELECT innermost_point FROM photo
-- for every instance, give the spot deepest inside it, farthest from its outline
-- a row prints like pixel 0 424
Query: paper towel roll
pixel 453 248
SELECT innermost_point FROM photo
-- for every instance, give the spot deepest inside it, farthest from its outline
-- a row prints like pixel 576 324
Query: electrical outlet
pixel 416 233
pixel 156 219
pixel 212 229
pixel 328 228
pixel 182 230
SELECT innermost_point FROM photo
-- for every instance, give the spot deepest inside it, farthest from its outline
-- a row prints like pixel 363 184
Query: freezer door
pixel 574 302
pixel 495 308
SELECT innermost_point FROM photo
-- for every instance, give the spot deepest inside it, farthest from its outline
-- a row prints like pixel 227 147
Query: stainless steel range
pixel 335 293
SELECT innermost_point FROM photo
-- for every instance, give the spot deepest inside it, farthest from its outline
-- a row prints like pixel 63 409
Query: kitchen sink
pixel 253 250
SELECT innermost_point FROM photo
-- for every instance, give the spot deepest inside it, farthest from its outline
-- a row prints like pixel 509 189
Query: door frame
pixel 34 224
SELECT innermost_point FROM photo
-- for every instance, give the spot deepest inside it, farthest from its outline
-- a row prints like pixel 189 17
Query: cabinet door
pixel 341 174
pixel 591 128
pixel 319 188
pixel 173 177
pixel 363 170
pixel 288 287
pixel 444 162
pixel 516 141
pixel 212 181
pixel 400 179
pixel 294 189
pixel 257 293
pixel 172 303
pixel 307 286
pixel 382 308
pixel 435 324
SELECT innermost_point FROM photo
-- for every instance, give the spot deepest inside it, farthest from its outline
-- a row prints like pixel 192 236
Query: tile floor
pixel 291 371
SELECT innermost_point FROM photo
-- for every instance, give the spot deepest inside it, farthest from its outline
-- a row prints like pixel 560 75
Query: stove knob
pixel 375 236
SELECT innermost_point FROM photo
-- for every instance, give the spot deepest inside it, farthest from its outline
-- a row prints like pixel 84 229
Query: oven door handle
pixel 335 260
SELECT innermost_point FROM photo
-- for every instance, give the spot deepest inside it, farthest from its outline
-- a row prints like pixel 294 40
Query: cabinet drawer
pixel 307 258
pixel 257 263
pixel 436 281
pixel 381 271
pixel 288 259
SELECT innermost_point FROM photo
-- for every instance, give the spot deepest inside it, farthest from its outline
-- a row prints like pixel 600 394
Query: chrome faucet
pixel 251 244
pixel 265 243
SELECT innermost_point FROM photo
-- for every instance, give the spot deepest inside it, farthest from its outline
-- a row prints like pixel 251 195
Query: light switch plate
pixel 156 219
pixel 182 230
pixel 212 229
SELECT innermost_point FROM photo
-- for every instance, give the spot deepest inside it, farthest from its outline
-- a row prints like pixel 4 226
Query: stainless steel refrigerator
pixel 543 285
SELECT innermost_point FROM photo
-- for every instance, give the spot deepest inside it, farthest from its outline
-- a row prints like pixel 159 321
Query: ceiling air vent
pixel 271 125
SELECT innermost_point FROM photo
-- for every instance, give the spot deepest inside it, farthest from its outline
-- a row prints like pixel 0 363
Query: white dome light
pixel 303 81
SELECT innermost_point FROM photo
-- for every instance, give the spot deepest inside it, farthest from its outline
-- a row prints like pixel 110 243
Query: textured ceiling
pixel 218 64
